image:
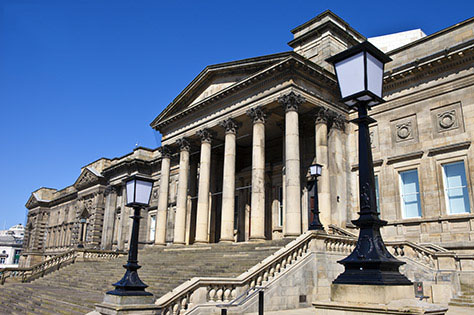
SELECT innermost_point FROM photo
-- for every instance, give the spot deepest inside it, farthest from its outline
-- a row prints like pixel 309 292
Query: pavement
pixel 452 310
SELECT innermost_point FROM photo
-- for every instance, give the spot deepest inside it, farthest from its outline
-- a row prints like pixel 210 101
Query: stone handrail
pixel 55 263
pixel 433 257
pixel 223 290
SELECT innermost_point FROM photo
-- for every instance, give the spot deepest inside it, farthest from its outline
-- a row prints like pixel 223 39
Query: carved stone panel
pixel 404 130
pixel 374 137
pixel 447 119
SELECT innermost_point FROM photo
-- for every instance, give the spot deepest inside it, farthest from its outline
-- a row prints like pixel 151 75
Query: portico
pixel 251 171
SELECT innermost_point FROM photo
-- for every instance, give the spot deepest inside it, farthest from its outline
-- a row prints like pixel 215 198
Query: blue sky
pixel 82 79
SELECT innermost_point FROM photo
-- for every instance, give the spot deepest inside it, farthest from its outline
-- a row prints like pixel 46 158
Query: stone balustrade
pixel 55 263
pixel 198 291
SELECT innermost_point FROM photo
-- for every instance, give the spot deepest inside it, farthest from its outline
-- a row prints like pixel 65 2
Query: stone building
pixel 11 241
pixel 238 140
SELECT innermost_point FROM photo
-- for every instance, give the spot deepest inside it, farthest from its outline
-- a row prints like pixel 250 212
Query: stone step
pixel 75 288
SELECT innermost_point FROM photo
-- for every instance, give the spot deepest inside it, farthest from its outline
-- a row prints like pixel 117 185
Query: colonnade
pixel 292 181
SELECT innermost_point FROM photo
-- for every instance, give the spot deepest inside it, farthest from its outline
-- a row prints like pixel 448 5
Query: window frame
pixel 400 192
pixel 445 189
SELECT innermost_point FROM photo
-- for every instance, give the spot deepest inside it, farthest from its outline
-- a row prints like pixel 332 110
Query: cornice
pixel 429 65
pixel 292 61
pixel 223 67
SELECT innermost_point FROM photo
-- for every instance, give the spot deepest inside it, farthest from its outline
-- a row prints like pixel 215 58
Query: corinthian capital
pixel 322 115
pixel 184 144
pixel 230 125
pixel 257 114
pixel 291 101
pixel 205 134
pixel 165 151
pixel 338 122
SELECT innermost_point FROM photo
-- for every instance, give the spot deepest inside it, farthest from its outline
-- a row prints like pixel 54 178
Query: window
pixel 377 192
pixel 152 227
pixel 16 259
pixel 2 260
pixel 455 188
pixel 410 194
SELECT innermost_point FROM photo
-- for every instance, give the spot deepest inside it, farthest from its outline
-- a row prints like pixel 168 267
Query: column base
pixel 159 244
pixel 257 239
pixel 201 242
pixel 226 240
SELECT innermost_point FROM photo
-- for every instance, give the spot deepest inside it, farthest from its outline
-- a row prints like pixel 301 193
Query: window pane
pixel 410 194
pixel 152 228
pixel 456 193
pixel 377 192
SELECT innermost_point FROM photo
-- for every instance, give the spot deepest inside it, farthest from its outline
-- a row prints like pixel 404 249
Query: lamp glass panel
pixel 319 169
pixel 143 192
pixel 350 74
pixel 312 170
pixel 374 75
pixel 130 186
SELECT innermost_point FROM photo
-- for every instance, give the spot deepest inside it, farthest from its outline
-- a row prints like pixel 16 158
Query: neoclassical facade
pixel 237 143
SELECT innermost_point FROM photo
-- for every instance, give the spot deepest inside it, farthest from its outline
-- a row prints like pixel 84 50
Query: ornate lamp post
pixel 315 171
pixel 81 240
pixel 359 71
pixel 138 197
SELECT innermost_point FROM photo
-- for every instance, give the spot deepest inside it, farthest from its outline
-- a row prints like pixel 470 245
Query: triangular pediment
pixel 290 62
pixel 88 177
pixel 216 78
pixel 32 202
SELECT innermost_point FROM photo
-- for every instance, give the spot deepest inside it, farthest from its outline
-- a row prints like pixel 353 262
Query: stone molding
pixel 165 152
pixel 183 144
pixel 230 125
pixel 449 148
pixel 205 135
pixel 257 114
pixel 291 101
pixel 404 157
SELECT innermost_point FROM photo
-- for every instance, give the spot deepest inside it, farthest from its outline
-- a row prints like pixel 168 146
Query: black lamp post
pixel 138 197
pixel 315 171
pixel 81 240
pixel 359 71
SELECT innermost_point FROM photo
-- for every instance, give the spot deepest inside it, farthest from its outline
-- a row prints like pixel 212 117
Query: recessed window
pixel 455 188
pixel 152 228
pixel 280 206
pixel 410 194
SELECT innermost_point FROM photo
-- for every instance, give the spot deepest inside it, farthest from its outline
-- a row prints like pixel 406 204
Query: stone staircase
pixel 466 296
pixel 76 288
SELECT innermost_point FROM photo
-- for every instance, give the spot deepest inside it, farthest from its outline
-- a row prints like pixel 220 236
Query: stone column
pixel 324 187
pixel 338 172
pixel 109 218
pixel 181 199
pixel 160 227
pixel 228 183
pixel 291 103
pixel 202 216
pixel 257 203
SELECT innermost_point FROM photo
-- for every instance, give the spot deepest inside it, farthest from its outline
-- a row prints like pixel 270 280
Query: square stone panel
pixel 447 120
pixel 404 130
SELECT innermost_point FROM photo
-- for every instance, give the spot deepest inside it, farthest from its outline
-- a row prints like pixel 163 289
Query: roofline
pixel 238 85
pixel 319 16
pixel 213 67
pixel 429 37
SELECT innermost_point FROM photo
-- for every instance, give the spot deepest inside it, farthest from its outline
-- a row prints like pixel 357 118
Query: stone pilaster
pixel 228 183
pixel 291 103
pixel 202 216
pixel 338 174
pixel 181 199
pixel 257 206
pixel 162 210
pixel 321 142
pixel 109 218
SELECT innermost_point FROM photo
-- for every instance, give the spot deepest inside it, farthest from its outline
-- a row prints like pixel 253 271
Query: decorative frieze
pixel 404 130
pixel 205 135
pixel 257 114
pixel 230 125
pixel 291 101
pixel 447 119
pixel 183 144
